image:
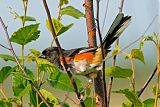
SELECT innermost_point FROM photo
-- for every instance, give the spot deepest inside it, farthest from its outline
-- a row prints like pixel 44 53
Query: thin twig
pixel 102 50
pixel 20 66
pixel 65 67
pixel 5 47
pixel 146 83
pixel 106 11
pixel 113 63
pixel 121 6
pixel 130 44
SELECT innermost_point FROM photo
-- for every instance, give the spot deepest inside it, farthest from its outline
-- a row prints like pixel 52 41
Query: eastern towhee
pixel 86 59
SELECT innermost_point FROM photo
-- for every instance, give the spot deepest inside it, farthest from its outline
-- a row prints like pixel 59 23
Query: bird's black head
pixel 51 54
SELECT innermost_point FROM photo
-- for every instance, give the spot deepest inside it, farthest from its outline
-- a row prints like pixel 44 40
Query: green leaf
pixel 131 96
pixel 58 26
pixel 126 104
pixel 5 103
pixel 137 54
pixel 35 52
pixel 7 57
pixel 116 50
pixel 20 83
pixel 71 11
pixel 89 102
pixel 26 34
pixel 62 2
pixel 49 97
pixel 45 65
pixel 61 81
pixel 146 38
pixel 154 91
pixel 27 18
pixel 17 16
pixel 118 72
pixel 5 72
pixel 156 37
pixel 149 102
pixel 88 91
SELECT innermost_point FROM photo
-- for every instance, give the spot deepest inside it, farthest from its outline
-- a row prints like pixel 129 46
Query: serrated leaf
pixel 35 52
pixel 89 102
pixel 149 102
pixel 5 72
pixel 26 34
pixel 131 96
pixel 118 72
pixel 58 26
pixel 154 91
pixel 20 84
pixel 71 11
pixel 62 2
pixel 137 54
pixel 49 97
pixel 45 65
pixel 61 81
pixel 7 57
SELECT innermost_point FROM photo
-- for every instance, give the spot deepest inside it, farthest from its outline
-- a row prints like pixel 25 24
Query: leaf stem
pixel 157 91
pixel 133 74
pixel 25 5
pixel 158 73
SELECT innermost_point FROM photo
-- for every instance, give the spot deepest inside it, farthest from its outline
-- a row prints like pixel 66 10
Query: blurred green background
pixel 142 12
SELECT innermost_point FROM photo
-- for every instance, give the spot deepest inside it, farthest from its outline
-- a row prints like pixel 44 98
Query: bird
pixel 85 60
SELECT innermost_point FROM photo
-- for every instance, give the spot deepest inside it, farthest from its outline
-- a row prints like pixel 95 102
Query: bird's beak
pixel 42 56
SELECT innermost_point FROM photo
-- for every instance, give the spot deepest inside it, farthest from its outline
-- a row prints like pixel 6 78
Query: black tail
pixel 118 26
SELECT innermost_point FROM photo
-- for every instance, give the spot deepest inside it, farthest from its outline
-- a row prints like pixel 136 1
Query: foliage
pixel 45 73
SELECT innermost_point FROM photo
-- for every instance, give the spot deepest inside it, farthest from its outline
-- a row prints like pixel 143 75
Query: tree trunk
pixel 91 29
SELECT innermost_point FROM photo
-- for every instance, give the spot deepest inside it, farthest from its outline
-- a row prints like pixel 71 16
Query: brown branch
pixel 91 29
pixel 65 67
pixel 146 83
pixel 103 62
pixel 5 47
pixel 20 66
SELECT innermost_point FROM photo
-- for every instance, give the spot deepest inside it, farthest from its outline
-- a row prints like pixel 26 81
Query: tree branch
pixel 121 6
pixel 103 62
pixel 106 11
pixel 146 83
pixel 91 29
pixel 20 66
pixel 65 67
pixel 5 47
